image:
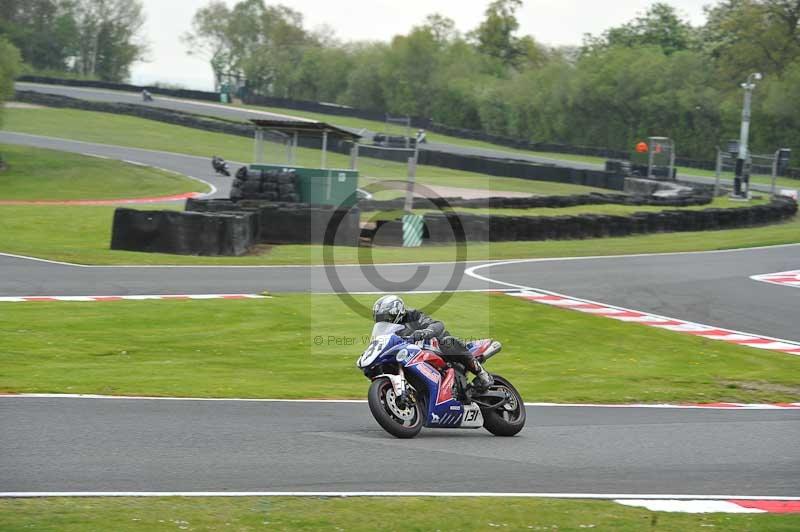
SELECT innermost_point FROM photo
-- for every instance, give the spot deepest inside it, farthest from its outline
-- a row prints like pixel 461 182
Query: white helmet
pixel 389 308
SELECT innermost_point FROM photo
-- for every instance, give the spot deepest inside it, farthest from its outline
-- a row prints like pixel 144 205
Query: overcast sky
pixel 553 22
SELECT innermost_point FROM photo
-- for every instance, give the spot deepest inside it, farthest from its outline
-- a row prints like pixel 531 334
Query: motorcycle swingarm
pixel 491 394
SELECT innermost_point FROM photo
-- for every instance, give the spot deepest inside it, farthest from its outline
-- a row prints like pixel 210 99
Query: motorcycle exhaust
pixel 495 348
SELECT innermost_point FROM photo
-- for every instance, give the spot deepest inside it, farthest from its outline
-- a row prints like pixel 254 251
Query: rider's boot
pixel 482 377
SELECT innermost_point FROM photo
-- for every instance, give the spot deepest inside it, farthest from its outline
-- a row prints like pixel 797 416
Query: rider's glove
pixel 424 334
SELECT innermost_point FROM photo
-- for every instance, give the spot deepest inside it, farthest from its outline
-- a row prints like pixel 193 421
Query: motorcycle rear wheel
pixel 399 422
pixel 509 419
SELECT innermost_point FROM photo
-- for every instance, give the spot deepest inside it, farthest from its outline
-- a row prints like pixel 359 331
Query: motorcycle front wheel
pixel 399 422
pixel 508 419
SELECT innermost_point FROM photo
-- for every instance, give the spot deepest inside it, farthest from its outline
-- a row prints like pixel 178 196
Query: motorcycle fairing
pixel 444 411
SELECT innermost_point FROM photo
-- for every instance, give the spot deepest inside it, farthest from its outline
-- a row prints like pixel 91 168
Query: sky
pixel 553 22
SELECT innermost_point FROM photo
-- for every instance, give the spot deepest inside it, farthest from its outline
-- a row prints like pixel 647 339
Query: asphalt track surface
pixel 239 113
pixel 710 288
pixel 136 445
pixel 190 165
pixel 57 445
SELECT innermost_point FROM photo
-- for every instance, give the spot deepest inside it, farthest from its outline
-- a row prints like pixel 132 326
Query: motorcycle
pixel 413 386
pixel 220 166
pixel 146 96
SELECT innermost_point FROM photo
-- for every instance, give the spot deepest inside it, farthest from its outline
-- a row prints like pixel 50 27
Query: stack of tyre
pixel 268 185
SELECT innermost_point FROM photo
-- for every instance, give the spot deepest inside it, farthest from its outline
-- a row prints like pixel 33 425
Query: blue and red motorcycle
pixel 413 386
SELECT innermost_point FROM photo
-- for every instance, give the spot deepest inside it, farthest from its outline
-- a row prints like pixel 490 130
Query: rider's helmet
pixel 389 308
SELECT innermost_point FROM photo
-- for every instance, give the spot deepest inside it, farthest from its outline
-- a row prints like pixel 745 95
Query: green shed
pixel 323 185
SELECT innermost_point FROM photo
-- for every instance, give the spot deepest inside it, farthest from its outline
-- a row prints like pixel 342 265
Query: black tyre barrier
pixel 484 165
pixel 553 202
pixel 417 122
pixel 269 186
pixel 287 222
pixel 179 93
pixel 493 228
pixel 183 233
pixel 158 114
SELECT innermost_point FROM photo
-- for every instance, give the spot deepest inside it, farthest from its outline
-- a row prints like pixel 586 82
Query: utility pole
pixel 741 183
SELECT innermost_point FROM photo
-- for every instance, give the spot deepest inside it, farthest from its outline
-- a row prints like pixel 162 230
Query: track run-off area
pixel 67 445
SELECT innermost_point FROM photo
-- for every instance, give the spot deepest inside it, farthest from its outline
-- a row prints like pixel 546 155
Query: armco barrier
pixel 178 93
pixel 183 233
pixel 494 228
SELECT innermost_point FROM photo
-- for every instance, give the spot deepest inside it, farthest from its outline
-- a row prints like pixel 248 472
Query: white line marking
pixel 102 298
pixel 689 506
pixel 730 406
pixel 604 496
pixel 687 325
pixel 772 278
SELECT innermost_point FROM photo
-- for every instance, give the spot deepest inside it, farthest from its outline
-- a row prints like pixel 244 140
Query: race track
pixel 58 445
pixel 238 113
pixel 62 444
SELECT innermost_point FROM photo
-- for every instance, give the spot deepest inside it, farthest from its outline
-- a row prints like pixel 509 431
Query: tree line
pixel 657 74
pixel 97 39
pixel 654 75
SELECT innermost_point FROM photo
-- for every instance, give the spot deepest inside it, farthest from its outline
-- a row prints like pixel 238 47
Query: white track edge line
pixel 471 272
pixel 663 406
pixel 438 494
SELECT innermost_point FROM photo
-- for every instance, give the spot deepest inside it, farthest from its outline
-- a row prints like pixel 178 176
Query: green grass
pixel 39 174
pixel 140 133
pixel 245 514
pixel 305 346
pixel 82 234
pixel 440 138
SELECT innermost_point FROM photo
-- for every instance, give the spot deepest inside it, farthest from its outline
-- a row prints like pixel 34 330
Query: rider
pixel 420 326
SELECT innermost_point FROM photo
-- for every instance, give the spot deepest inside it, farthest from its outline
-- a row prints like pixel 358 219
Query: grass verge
pixel 82 234
pixel 446 139
pixel 305 346
pixel 40 174
pixel 124 130
pixel 130 514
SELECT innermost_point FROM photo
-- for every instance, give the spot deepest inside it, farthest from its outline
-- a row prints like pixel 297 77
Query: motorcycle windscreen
pixel 383 328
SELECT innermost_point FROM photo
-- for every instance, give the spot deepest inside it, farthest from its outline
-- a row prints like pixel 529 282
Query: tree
pixel 254 42
pixel 495 35
pixel 44 31
pixel 209 38
pixel 660 26
pixel 10 62
pixel 108 37
pixel 746 36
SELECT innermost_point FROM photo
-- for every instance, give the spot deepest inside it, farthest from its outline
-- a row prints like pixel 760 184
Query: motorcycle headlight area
pixel 374 349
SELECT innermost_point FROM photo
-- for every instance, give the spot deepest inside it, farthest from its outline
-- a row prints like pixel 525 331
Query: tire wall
pixel 533 202
pixel 183 233
pixel 290 223
pixel 178 93
pixel 492 228
pixel 380 116
pixel 483 165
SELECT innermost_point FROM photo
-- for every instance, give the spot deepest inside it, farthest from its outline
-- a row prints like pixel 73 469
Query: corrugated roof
pixel 304 126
